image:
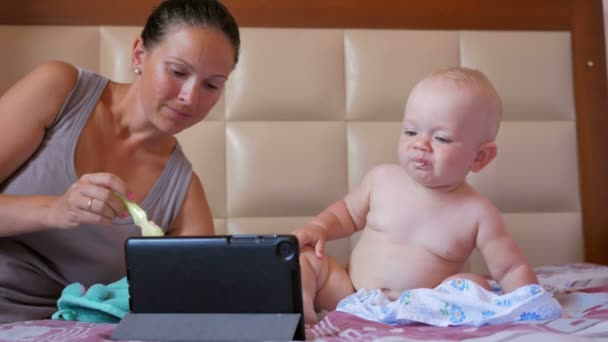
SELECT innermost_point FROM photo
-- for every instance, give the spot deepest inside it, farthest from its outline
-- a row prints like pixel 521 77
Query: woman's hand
pixel 90 200
pixel 314 235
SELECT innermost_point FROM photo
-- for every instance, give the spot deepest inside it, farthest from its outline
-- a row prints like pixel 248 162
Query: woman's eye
pixel 443 140
pixel 212 86
pixel 176 72
pixel 409 132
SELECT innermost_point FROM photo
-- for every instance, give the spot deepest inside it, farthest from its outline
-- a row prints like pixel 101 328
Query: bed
pixel 316 101
pixel 582 289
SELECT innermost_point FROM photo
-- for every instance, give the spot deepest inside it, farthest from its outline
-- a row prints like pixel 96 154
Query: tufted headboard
pixel 318 95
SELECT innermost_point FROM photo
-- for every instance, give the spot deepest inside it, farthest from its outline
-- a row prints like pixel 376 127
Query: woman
pixel 72 138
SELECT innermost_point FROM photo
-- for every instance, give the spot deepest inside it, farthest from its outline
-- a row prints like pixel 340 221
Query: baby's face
pixel 441 134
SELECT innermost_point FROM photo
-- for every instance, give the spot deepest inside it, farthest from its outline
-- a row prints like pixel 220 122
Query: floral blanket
pixel 456 302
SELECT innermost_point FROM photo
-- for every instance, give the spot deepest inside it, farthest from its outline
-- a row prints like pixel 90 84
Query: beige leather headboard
pixel 317 98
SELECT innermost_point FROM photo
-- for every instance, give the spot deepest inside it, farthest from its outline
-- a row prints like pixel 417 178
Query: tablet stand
pixel 210 327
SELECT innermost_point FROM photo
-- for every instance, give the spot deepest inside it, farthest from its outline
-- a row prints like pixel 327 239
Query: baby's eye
pixel 409 132
pixel 443 140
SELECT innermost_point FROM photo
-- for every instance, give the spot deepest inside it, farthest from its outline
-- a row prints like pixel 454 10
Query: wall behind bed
pixel 309 110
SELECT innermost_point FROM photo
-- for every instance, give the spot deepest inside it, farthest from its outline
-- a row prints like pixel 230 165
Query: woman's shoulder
pixel 49 83
pixel 60 75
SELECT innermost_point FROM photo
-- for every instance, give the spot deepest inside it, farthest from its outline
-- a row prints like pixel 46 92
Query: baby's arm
pixel 332 223
pixel 341 219
pixel 506 262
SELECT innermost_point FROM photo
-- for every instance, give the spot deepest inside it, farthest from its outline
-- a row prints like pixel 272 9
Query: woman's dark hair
pixel 208 13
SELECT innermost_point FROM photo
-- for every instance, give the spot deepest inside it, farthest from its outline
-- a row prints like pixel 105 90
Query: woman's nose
pixel 187 94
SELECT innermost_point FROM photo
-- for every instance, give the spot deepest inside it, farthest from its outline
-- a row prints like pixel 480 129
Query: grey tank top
pixel 35 267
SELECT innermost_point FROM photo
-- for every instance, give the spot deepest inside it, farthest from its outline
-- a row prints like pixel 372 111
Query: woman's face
pixel 184 75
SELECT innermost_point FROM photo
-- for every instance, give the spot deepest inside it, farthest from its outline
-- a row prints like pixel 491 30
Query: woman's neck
pixel 129 124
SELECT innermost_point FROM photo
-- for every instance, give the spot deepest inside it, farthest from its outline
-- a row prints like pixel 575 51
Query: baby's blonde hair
pixel 467 77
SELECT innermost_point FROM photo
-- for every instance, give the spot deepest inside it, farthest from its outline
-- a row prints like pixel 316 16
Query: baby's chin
pixel 422 177
pixel 429 181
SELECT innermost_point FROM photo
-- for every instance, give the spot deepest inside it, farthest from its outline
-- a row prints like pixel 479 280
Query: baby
pixel 420 220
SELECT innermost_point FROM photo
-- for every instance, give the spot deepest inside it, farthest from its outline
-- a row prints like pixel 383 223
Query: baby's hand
pixel 314 235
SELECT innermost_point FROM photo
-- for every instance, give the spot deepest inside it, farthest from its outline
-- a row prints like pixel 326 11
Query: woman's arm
pixel 26 110
pixel 194 217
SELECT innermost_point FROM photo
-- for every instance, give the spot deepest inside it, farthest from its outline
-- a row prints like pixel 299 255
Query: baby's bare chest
pixel 437 224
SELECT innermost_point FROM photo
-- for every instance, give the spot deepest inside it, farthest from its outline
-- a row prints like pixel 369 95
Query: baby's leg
pixel 324 281
pixel 481 281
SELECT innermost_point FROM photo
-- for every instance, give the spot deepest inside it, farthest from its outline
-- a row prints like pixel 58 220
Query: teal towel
pixel 99 304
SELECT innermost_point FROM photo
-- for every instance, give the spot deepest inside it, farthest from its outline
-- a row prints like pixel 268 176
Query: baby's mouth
pixel 419 162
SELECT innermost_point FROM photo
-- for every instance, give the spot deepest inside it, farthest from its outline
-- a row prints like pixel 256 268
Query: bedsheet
pixel 586 307
pixel 590 326
pixel 587 321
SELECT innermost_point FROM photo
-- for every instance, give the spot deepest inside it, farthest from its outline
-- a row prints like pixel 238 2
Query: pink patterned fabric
pixel 56 331
pixel 587 322
pixel 339 326
pixel 591 324
pixel 572 277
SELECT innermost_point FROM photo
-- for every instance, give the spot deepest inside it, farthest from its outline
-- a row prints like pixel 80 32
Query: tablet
pixel 215 274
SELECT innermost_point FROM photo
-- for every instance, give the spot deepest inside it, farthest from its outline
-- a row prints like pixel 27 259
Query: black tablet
pixel 217 274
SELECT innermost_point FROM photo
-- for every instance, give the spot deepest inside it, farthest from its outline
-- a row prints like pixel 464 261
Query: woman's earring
pixel 137 71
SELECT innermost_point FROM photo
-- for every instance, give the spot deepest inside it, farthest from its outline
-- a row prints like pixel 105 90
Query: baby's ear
pixel 486 153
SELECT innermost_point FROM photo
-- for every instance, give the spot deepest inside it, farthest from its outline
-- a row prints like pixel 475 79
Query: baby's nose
pixel 421 144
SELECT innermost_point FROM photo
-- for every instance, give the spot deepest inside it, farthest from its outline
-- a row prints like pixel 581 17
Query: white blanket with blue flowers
pixel 456 302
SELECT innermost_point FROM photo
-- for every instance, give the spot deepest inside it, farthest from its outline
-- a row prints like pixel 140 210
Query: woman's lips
pixel 179 113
